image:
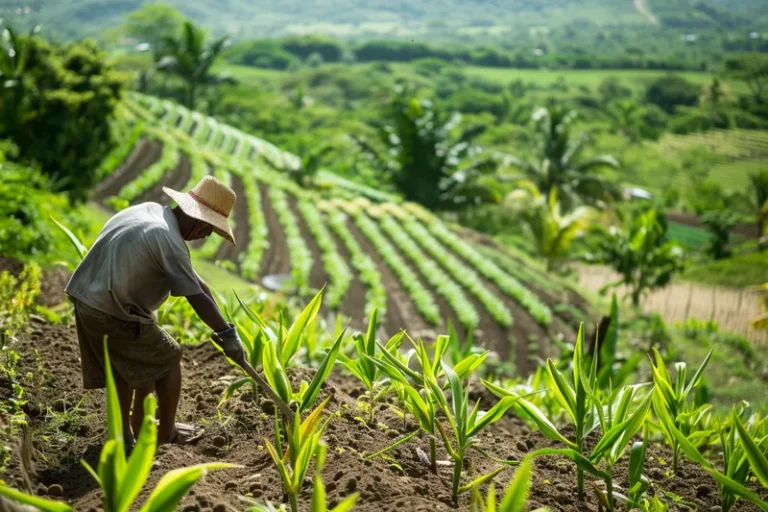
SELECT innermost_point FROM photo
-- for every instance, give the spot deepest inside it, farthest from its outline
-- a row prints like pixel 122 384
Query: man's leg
pixel 137 417
pixel 168 394
pixel 125 395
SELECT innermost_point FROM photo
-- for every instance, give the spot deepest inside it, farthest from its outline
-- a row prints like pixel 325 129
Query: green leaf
pixel 322 374
pixel 345 505
pixel 292 340
pixel 318 495
pixel 140 463
pixel 737 489
pixel 697 376
pixel 516 494
pixel 81 249
pixel 114 415
pixel 563 392
pixel 234 387
pixel 39 503
pixel 480 480
pixel 399 442
pixel 175 484
pixel 493 415
pixel 457 400
pixel 545 425
pixel 756 457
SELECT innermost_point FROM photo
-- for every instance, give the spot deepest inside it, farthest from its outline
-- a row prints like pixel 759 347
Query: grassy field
pixel 739 271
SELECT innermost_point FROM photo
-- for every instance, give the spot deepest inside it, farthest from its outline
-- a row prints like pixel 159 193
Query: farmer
pixel 138 260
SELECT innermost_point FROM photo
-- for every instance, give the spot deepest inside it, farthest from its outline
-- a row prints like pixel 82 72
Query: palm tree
pixel 423 158
pixel 552 231
pixel 559 164
pixel 759 188
pixel 189 58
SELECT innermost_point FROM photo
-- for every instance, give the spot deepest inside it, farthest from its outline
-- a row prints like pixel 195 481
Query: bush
pixel 304 46
pixel 671 91
pixel 262 53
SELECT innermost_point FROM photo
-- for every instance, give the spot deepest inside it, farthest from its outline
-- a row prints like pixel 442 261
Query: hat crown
pixel 215 194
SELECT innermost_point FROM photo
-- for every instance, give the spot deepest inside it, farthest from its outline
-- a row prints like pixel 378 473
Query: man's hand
pixel 230 343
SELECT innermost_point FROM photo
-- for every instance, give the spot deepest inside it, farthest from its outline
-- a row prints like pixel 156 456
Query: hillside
pixel 260 18
pixel 370 250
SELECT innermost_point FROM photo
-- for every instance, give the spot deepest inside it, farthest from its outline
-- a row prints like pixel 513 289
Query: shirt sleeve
pixel 175 260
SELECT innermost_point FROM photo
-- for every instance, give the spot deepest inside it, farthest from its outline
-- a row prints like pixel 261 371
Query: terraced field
pixel 369 249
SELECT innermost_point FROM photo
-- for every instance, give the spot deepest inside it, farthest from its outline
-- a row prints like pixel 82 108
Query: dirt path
pixel 230 252
pixel 276 260
pixel 353 303
pixel 731 308
pixel 144 154
pixel 641 6
pixel 176 178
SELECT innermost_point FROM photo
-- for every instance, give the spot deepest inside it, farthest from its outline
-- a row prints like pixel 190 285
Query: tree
pixel 716 96
pixel 671 91
pixel 640 254
pixel 153 23
pixel 559 164
pixel 719 223
pixel 60 109
pixel 189 58
pixel 759 182
pixel 424 160
pixel 751 69
pixel 552 231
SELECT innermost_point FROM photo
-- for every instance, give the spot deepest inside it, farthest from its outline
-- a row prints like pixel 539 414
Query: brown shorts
pixel 141 354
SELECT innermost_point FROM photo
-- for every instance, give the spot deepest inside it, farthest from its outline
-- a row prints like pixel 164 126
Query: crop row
pixel 518 270
pixel 443 284
pixel 149 177
pixel 421 297
pixel 299 253
pixel 464 275
pixel 375 294
pixel 508 284
pixel 340 276
pixel 120 153
pixel 250 259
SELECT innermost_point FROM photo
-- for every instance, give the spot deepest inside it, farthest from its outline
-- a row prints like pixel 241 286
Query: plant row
pixel 150 176
pixel 299 253
pixel 508 284
pixel 434 275
pixel 120 153
pixel 339 274
pixel 463 274
pixel 251 258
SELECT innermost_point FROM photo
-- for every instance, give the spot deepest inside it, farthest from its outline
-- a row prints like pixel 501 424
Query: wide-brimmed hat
pixel 210 201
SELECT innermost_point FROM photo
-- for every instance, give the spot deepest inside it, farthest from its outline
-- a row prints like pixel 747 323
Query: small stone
pixel 351 485
pixel 230 486
pixel 268 406
pixel 716 508
pixel 221 507
pixel 56 490
pixel 330 487
pixel 256 487
pixel 219 441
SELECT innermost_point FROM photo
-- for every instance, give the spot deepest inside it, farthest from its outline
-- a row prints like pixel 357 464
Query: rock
pixel 392 434
pixel 220 507
pixel 230 486
pixel 351 485
pixel 257 487
pixel 330 487
pixel 56 491
pixel 268 406
pixel 219 441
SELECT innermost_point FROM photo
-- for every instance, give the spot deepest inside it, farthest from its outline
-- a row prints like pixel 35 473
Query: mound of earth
pixel 66 425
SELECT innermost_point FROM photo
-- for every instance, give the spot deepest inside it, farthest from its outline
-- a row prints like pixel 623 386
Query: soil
pixel 145 153
pixel 67 424
pixel 175 179
pixel 242 230
pixel 277 260
pixel 353 303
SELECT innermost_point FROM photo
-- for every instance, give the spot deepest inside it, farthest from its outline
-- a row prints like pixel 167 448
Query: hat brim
pixel 202 213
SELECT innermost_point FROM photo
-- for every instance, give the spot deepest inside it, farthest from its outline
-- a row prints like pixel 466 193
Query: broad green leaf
pixel 400 365
pixel 441 345
pixel 688 448
pixel 318 495
pixel 345 505
pixel 457 398
pixel 39 503
pixel 469 364
pixel 175 484
pixel 545 425
pixel 636 459
pixel 81 249
pixel 493 415
pixel 562 390
pixel 234 387
pixel 697 376
pixel 114 415
pixel 255 318
pixel 322 374
pixel 140 463
pixel 292 340
pixel 516 493
pixel 737 489
pixel 480 480
pixel 756 457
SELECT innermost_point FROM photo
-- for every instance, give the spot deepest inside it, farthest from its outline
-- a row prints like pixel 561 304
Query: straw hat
pixel 210 201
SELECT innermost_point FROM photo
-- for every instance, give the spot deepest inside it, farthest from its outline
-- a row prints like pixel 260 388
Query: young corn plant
pixel 121 479
pixel 278 350
pixel 742 450
pixel 671 397
pixel 515 495
pixel 362 368
pixel 45 505
pixel 638 482
pixel 303 442
pixel 576 399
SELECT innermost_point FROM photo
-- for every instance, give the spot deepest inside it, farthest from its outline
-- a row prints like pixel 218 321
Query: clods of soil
pixel 67 424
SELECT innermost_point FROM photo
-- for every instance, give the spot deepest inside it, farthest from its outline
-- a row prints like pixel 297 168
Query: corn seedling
pixel 368 373
pixel 41 504
pixel 303 442
pixel 121 480
pixel 741 448
pixel 671 397
pixel 515 495
pixel 638 482
pixel 457 349
pixel 278 351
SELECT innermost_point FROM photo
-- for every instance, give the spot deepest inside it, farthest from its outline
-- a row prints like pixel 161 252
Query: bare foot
pixel 183 433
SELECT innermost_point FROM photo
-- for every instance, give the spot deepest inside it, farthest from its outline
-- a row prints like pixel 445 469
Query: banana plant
pixel 303 442
pixel 515 495
pixel 742 448
pixel 121 479
pixel 278 348
pixel 362 368
pixel 672 397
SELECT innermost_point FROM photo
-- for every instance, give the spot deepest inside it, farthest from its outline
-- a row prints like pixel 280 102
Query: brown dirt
pixel 143 155
pixel 242 232
pixel 353 303
pixel 401 313
pixel 175 179
pixel 67 424
pixel 276 261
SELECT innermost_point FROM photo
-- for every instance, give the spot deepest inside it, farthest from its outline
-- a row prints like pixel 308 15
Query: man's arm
pixel 207 310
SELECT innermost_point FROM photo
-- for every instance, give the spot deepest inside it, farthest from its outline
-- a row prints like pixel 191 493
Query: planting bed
pixel 67 424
